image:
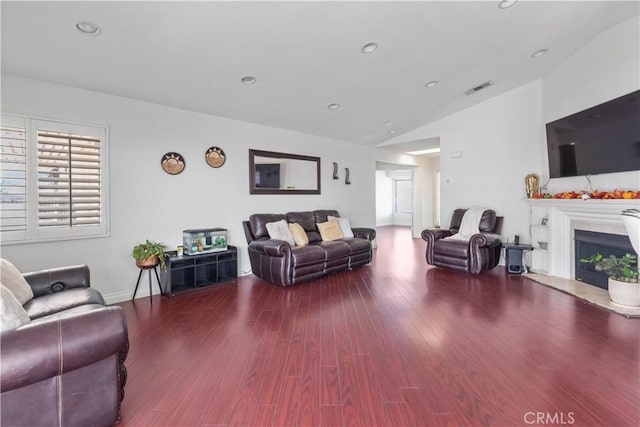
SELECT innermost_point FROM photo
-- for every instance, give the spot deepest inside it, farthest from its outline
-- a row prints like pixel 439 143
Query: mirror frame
pixel 275 155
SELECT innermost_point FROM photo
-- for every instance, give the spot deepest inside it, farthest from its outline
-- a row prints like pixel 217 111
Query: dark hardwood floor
pixel 394 343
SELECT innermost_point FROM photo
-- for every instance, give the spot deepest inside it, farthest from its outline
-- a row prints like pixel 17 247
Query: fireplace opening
pixel 588 243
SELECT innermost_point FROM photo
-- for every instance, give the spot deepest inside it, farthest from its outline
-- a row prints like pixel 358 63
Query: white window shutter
pixel 69 180
pixel 13 182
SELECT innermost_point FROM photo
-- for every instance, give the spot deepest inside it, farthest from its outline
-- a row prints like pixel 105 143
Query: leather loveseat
pixel 480 253
pixel 278 262
pixel 65 367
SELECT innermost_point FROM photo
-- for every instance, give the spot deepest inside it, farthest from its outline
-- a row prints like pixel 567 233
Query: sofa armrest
pixel 57 279
pixel 364 233
pixel 481 240
pixel 271 247
pixel 42 350
pixel 432 234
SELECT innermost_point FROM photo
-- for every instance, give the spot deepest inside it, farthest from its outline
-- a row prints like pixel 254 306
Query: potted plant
pixel 149 254
pixel 624 288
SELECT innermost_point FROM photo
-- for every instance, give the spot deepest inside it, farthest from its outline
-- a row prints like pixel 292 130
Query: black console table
pixel 189 272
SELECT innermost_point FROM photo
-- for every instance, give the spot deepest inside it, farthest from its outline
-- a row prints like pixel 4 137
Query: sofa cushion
pixel 299 235
pixel 330 230
pixel 12 314
pixel 345 225
pixel 334 249
pixel 322 215
pixel 307 222
pixel 69 312
pixel 259 224
pixel 487 222
pixel 279 230
pixel 59 301
pixel 15 282
pixel 358 245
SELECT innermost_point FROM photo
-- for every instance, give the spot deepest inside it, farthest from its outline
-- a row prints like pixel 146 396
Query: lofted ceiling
pixel 304 55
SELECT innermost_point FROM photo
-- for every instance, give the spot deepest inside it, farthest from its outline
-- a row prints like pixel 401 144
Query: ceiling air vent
pixel 479 87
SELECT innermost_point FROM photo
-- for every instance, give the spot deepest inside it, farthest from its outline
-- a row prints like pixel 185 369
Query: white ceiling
pixel 305 55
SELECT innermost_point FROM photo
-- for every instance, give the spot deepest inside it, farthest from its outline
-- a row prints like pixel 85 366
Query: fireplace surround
pixel 567 216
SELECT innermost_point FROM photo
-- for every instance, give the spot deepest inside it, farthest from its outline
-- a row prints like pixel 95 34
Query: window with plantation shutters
pixel 13 180
pixel 68 180
pixel 54 181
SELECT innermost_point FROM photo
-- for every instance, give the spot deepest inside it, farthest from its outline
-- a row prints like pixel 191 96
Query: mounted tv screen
pixel 601 139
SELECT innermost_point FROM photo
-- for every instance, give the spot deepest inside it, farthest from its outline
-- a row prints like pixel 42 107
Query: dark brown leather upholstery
pixel 480 253
pixel 66 367
pixel 277 262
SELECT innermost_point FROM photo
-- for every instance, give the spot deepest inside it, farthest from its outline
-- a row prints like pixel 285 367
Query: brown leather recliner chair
pixel 65 367
pixel 480 253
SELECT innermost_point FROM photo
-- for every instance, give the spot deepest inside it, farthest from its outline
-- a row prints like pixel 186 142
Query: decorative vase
pixel 148 262
pixel 624 293
pixel 531 182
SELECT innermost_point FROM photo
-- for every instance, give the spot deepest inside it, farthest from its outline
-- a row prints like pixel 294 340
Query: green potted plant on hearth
pixel 149 254
pixel 624 288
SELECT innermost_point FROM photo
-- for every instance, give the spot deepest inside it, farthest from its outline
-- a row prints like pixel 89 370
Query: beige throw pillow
pixel 299 235
pixel 13 280
pixel 330 230
pixel 280 230
pixel 12 314
pixel 345 225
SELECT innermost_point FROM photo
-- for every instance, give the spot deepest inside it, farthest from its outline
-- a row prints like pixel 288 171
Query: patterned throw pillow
pixel 280 230
pixel 330 230
pixel 345 226
pixel 13 280
pixel 12 314
pixel 299 235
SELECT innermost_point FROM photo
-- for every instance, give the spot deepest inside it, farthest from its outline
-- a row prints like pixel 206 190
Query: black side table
pixel 513 257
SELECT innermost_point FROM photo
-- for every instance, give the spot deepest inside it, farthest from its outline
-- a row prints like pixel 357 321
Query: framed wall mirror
pixel 283 173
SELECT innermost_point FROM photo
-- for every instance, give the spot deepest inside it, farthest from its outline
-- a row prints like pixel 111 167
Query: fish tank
pixel 204 240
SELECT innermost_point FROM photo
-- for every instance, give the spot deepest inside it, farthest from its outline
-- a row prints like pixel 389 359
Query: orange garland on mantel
pixel 585 195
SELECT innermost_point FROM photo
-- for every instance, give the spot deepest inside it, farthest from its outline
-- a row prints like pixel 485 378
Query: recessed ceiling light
pixel 392 132
pixel 369 47
pixel 432 83
pixel 539 53
pixel 333 106
pixel 504 4
pixel 388 123
pixel 88 28
pixel 428 151
pixel 248 80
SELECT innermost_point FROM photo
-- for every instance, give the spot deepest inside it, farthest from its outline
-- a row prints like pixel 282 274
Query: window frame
pixel 34 233
pixel 395 195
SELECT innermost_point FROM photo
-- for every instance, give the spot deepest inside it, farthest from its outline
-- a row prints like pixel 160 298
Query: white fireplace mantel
pixel 567 215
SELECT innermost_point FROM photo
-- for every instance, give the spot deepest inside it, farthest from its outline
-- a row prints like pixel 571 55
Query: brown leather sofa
pixel 280 263
pixel 65 367
pixel 480 253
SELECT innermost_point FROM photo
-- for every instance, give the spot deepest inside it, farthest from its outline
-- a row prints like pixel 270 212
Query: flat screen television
pixel 601 139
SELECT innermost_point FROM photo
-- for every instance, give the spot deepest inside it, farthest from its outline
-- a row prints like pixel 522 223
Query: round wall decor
pixel 172 163
pixel 215 157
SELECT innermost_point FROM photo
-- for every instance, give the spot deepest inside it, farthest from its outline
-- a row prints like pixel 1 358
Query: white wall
pixel 148 203
pixel 499 140
pixel 426 175
pixel 384 199
pixel 605 68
